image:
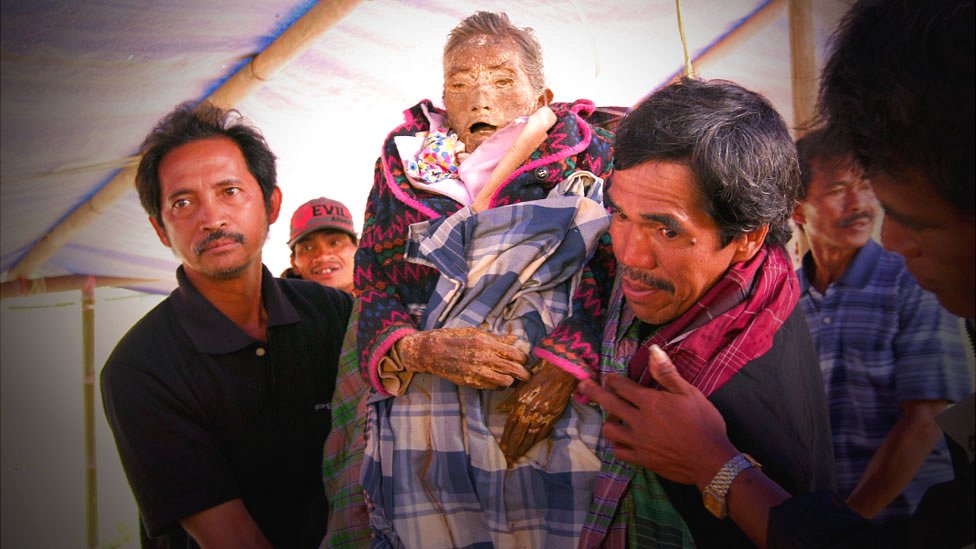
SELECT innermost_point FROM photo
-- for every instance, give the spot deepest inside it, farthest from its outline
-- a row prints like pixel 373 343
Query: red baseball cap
pixel 317 214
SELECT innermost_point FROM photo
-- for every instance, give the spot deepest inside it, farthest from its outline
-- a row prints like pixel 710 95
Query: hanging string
pixel 689 70
pixel 584 23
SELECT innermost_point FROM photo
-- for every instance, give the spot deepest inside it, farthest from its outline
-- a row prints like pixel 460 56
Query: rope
pixel 589 37
pixel 33 286
pixel 689 70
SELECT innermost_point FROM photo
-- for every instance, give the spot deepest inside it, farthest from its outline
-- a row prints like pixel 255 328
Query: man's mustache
pixel 215 236
pixel 851 219
pixel 645 278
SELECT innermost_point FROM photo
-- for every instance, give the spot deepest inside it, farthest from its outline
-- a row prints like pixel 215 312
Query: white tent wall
pixel 82 83
pixel 42 453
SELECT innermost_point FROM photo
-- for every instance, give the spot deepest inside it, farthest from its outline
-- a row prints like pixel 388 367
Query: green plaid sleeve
pixel 343 453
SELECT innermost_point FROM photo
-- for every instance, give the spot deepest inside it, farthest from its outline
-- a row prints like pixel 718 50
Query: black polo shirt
pixel 202 413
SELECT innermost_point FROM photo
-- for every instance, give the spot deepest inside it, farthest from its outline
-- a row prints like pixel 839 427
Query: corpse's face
pixel 668 249
pixel 840 208
pixel 485 88
pixel 938 243
pixel 326 257
pixel 214 215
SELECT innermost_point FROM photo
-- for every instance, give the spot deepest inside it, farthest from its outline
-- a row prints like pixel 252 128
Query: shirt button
pixel 542 173
pixel 826 320
pixel 260 351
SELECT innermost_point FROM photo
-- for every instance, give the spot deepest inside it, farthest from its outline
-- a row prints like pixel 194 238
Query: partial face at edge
pixel 938 244
pixel 486 87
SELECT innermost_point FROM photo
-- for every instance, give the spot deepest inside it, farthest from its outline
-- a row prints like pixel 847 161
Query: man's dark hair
pixel 898 88
pixel 497 24
pixel 188 123
pixel 817 146
pixel 733 141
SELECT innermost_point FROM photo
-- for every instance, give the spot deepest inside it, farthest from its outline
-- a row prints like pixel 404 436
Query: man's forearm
pixel 898 459
pixel 227 525
pixel 749 500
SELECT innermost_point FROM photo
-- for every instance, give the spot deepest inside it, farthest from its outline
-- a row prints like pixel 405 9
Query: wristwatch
pixel 714 494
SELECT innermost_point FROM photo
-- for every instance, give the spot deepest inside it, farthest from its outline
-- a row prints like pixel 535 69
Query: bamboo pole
pixel 88 393
pixel 803 65
pixel 320 18
pixel 803 74
pixel 22 287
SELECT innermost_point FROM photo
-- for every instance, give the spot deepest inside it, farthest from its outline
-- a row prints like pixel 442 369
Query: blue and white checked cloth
pixel 433 473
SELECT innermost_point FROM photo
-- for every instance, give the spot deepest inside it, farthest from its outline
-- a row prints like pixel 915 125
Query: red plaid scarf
pixel 733 323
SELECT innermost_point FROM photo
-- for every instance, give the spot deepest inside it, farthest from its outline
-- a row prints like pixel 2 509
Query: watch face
pixel 714 504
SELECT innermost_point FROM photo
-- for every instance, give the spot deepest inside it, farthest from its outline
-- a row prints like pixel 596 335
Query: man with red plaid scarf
pixel 703 188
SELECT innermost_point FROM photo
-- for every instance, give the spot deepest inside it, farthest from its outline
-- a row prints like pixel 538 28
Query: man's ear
pixel 160 231
pixel 798 216
pixel 275 205
pixel 746 245
pixel 544 98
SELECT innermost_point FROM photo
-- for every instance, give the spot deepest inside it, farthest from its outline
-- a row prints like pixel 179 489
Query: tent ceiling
pixel 83 82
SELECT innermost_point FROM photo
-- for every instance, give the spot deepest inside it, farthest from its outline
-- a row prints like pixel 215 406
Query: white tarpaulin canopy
pixel 83 82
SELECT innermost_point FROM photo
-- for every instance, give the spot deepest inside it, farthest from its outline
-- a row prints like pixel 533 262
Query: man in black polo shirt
pixel 218 396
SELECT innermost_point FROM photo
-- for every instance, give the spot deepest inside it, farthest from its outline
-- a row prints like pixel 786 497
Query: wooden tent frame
pixel 292 42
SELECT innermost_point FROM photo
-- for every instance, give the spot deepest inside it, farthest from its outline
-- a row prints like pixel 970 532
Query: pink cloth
pixel 430 159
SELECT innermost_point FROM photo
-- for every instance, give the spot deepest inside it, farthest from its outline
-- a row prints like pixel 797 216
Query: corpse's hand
pixel 533 408
pixel 464 356
pixel 674 431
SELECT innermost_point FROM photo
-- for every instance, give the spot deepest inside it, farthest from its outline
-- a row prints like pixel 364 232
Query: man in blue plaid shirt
pixel 891 356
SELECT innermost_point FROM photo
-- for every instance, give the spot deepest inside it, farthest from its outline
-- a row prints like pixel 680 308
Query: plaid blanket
pixel 433 472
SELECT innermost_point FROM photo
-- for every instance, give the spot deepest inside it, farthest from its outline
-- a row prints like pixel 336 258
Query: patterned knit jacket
pixel 394 293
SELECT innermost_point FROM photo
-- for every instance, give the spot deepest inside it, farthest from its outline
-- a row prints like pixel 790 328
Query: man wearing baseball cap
pixel 323 244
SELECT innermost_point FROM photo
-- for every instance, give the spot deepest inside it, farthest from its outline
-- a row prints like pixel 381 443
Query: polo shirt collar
pixel 213 333
pixel 858 273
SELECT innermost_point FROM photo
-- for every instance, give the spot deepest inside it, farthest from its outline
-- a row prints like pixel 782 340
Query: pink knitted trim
pixel 582 105
pixel 391 182
pixel 374 361
pixel 579 372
